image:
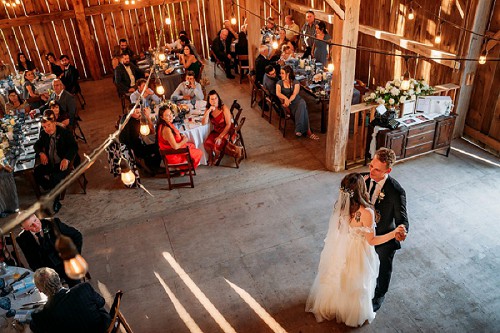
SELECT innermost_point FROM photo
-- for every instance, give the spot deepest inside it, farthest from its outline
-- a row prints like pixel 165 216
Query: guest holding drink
pixel 190 90
pixel 189 61
pixel 170 138
pixel 55 65
pixel 221 120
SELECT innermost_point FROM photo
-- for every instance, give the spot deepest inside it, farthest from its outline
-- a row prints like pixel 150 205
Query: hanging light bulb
pixel 233 20
pixel 159 87
pixel 132 2
pixel 8 4
pixel 75 266
pixel 437 40
pixel 127 175
pixel 127 2
pixel 482 58
pixel 275 45
pixel 330 67
pixel 168 21
pixel 405 84
pixel 162 57
pixel 144 129
pixel 18 2
pixel 411 14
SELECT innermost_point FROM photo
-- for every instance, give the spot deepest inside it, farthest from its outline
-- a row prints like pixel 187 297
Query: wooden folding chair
pixel 117 318
pixel 266 101
pixel 10 241
pixel 236 106
pixel 256 89
pixel 217 62
pixel 76 127
pixel 180 169
pixel 236 138
pixel 242 68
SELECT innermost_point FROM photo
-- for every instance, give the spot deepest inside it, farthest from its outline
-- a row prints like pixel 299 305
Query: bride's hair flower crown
pixel 347 191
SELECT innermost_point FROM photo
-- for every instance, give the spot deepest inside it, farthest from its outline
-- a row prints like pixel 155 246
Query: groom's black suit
pixel 392 210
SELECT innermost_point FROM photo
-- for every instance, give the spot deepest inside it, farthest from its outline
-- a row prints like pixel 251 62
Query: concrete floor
pixel 258 231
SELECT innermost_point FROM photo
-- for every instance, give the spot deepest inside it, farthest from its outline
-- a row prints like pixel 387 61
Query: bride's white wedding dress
pixel 347 275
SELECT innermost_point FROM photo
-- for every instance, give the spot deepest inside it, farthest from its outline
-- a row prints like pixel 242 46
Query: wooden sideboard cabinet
pixel 419 139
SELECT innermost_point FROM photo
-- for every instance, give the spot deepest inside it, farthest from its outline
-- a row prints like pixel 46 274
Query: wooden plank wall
pixel 483 118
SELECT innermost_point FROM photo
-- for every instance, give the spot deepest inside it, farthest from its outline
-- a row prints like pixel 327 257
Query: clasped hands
pixel 286 102
pixel 400 233
pixel 45 160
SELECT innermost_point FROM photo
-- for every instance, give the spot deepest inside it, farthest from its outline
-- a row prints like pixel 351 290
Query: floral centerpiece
pixel 392 94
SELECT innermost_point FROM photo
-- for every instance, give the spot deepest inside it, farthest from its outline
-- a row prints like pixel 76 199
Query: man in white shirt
pixel 149 96
pixel 292 29
pixel 190 90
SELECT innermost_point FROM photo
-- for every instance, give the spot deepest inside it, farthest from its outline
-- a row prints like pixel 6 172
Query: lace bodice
pixel 359 232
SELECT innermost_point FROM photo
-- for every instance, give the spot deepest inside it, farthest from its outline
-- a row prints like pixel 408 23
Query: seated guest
pixel 30 94
pixel 268 31
pixel 291 28
pixel 287 53
pixel 221 120
pixel 320 46
pixel 126 75
pixel 148 99
pixel 270 79
pixel 147 155
pixel 118 50
pixel 189 61
pixel 16 104
pixel 24 64
pixel 261 62
pixel 77 310
pixel 62 117
pixel 287 89
pixel 232 33
pixel 189 90
pixel 56 149
pixel 241 47
pixel 170 138
pixel 221 46
pixel 38 243
pixel 65 99
pixel 283 40
pixel 70 75
pixel 176 45
pixel 184 40
pixel 55 65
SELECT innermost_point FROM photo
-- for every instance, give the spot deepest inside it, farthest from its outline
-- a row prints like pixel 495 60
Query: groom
pixel 389 199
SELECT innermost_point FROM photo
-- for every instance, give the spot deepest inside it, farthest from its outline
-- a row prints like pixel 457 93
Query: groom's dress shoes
pixel 377 303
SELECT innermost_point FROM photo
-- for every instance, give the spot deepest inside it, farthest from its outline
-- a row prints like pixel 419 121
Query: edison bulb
pixel 162 57
pixel 330 68
pixel 127 2
pixel 233 20
pixel 76 268
pixel 411 15
pixel 437 40
pixel 168 20
pixel 482 59
pixel 160 90
pixel 144 129
pixel 128 178
pixel 275 45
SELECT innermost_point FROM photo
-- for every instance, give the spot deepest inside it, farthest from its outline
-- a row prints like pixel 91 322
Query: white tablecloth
pixel 197 133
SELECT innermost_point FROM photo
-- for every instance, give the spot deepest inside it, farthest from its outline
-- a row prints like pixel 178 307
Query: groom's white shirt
pixel 378 188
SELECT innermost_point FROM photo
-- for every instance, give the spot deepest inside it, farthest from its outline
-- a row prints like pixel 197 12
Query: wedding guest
pixel 190 90
pixel 308 29
pixel 189 61
pixel 320 45
pixel 148 99
pixel 389 199
pixel 287 90
pixel 55 65
pixel 170 138
pixel 23 63
pixel 291 28
pixel 184 40
pixel 287 54
pixel 16 104
pixel 79 309
pixel 30 94
pixel 56 149
pixel 62 117
pixel 241 47
pixel 268 31
pixel 348 267
pixel 147 155
pixel 229 27
pixel 261 62
pixel 66 100
pixel 221 46
pixel 270 79
pixel 70 75
pixel 176 45
pixel 126 75
pixel 38 243
pixel 220 118
pixel 282 40
pixel 119 50
pixel 9 202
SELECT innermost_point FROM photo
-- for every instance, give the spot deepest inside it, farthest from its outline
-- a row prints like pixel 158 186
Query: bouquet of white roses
pixel 392 94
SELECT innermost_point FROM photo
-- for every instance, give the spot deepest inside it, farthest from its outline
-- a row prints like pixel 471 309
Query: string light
pixel 437 40
pixel 275 45
pixel 168 21
pixel 482 58
pixel 127 175
pixel 411 14
pixel 233 20
pixel 144 129
pixel 405 84
pixel 162 57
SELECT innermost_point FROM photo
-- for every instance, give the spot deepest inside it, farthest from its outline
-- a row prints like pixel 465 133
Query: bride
pixel 348 267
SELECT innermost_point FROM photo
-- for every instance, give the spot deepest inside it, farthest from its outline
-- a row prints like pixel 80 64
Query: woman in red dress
pixel 170 138
pixel 221 120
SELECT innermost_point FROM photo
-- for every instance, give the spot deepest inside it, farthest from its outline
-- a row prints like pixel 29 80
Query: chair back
pixel 173 170
pixel 117 318
pixel 236 106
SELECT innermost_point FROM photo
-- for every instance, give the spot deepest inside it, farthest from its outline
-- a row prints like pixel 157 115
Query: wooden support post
pixel 88 44
pixel 254 37
pixel 345 33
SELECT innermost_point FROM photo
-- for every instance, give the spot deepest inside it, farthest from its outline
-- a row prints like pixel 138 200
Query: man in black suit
pixel 70 75
pixel 221 46
pixel 79 309
pixel 37 241
pixel 389 199
pixel 66 100
pixel 126 75
pixel 56 149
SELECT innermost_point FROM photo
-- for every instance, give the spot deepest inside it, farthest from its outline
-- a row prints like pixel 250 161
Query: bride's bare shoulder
pixel 366 212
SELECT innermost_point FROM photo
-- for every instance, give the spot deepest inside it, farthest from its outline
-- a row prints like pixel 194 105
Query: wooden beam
pixel 321 15
pixel 88 44
pixel 116 7
pixel 345 33
pixel 492 43
pixel 336 8
pixel 253 32
pixel 36 19
pixel 413 46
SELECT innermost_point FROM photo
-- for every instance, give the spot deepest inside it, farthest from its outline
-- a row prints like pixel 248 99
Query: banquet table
pixel 197 134
pixel 24 299
pixel 171 81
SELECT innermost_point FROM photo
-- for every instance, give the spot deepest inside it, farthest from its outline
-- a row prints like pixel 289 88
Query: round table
pixel 197 134
pixel 171 81
pixel 23 298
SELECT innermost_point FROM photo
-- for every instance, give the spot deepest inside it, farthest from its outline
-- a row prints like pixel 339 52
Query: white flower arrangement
pixel 391 93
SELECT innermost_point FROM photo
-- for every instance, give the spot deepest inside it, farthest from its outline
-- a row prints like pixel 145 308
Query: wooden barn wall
pixel 390 16
pixel 483 117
